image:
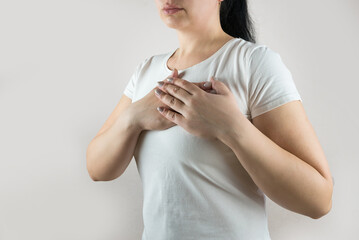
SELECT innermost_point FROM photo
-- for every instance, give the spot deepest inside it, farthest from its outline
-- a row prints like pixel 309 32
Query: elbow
pixel 324 207
pixel 104 179
pixel 324 210
pixel 99 172
pixel 89 168
pixel 93 177
pixel 91 174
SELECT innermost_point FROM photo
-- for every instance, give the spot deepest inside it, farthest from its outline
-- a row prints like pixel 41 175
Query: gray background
pixel 63 68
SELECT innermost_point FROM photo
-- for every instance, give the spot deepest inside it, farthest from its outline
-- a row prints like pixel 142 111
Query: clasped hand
pixel 200 113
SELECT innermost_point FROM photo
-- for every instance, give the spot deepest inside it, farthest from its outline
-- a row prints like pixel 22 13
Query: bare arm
pixel 111 150
pixel 283 156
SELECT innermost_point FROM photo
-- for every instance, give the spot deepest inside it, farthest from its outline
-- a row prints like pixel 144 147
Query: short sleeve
pixel 130 87
pixel 131 84
pixel 270 82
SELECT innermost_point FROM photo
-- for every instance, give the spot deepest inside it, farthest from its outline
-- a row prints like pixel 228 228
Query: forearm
pixel 283 177
pixel 109 153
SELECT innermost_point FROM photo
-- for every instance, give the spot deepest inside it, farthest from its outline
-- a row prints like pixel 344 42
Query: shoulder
pixel 247 48
pixel 261 59
pixel 252 54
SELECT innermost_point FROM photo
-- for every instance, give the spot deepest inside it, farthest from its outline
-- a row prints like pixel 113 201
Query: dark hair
pixel 235 19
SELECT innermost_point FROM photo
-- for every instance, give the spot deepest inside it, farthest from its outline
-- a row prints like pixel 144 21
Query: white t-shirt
pixel 196 189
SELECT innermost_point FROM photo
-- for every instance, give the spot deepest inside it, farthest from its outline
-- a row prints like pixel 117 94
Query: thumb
pixel 219 86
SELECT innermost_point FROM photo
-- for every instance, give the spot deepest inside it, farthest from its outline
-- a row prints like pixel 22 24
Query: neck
pixel 201 40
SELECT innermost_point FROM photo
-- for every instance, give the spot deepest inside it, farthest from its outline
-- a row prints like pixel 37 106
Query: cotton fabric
pixel 196 189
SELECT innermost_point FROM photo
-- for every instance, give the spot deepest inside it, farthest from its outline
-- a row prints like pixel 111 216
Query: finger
pixel 190 87
pixel 203 85
pixel 172 101
pixel 171 115
pixel 173 74
pixel 177 92
pixel 198 84
pixel 206 85
pixel 211 91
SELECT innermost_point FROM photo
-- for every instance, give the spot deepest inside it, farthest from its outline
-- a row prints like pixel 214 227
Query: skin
pixel 112 149
pixel 279 149
pixel 143 113
pixel 199 39
pixel 198 28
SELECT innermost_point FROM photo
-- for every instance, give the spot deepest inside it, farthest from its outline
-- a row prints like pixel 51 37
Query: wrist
pixel 132 119
pixel 234 130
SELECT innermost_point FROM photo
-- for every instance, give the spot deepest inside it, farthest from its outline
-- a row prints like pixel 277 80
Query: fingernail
pixel 207 84
pixel 160 109
pixel 170 79
pixel 160 83
pixel 158 91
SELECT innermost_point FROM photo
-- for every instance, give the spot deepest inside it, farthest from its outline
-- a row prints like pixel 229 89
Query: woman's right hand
pixel 146 115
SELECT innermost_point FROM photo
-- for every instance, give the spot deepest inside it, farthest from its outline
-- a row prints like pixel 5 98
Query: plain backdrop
pixel 63 68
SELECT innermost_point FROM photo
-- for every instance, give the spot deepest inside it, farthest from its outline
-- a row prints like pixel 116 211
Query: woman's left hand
pixel 200 113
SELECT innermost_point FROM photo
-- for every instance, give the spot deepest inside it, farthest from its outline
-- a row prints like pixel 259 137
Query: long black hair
pixel 236 21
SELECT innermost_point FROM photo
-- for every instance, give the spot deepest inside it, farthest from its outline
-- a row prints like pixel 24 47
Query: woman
pixel 210 153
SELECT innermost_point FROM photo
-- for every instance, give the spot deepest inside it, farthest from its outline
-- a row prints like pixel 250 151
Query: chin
pixel 173 23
